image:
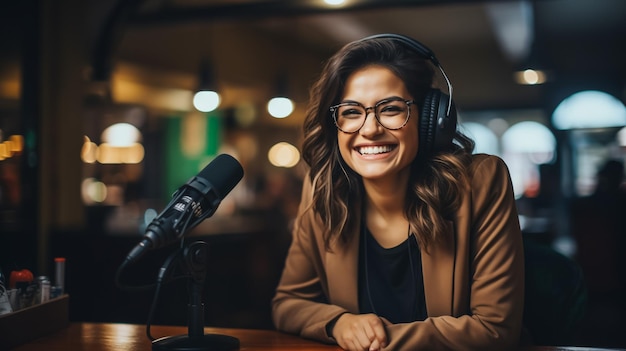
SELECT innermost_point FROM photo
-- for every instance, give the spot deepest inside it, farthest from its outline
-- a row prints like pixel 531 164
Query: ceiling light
pixel 284 155
pixel 513 24
pixel 529 137
pixel 121 135
pixel 280 106
pixel 530 76
pixel 485 139
pixel 206 99
pixel 534 70
pixel 589 109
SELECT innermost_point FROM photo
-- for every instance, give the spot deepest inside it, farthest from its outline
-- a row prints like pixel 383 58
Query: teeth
pixel 372 150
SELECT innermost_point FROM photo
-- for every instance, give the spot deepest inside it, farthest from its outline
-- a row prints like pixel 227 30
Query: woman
pixel 397 246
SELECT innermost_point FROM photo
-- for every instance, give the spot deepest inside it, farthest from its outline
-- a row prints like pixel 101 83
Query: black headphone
pixel 438 118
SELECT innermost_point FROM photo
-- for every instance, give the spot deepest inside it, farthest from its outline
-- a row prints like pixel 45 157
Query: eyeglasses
pixel 392 113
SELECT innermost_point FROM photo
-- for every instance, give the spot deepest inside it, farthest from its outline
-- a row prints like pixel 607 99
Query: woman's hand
pixel 360 332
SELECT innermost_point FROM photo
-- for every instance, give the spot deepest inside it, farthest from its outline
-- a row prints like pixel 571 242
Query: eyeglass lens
pixel 391 114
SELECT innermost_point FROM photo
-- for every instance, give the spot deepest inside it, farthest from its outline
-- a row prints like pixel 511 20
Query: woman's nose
pixel 371 124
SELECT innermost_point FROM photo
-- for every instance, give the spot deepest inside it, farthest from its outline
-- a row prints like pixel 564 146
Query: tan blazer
pixel 473 280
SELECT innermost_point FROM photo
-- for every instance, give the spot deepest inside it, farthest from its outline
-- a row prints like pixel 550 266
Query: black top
pixel 390 280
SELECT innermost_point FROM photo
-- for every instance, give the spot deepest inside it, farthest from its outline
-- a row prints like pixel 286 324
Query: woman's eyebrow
pixel 383 99
pixel 350 102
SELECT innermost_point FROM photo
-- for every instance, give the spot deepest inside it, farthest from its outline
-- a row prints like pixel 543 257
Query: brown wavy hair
pixel 436 180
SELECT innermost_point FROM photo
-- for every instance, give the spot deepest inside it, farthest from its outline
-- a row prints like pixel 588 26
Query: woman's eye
pixel 351 113
pixel 390 110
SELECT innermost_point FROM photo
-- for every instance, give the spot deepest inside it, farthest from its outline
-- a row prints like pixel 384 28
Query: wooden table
pixel 132 337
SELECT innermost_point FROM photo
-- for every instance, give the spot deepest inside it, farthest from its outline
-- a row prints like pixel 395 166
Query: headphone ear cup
pixel 436 127
pixel 428 119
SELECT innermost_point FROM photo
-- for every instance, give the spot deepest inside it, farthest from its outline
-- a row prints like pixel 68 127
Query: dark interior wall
pixel 243 271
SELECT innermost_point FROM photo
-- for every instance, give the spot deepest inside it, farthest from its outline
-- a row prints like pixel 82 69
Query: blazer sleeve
pixel 496 268
pixel 300 305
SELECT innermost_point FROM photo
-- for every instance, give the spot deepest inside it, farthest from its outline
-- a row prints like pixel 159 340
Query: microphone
pixel 191 204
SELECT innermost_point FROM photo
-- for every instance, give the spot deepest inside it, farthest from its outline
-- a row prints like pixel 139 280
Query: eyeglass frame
pixel 333 112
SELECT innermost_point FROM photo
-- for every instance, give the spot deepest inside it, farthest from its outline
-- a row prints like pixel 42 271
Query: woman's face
pixel 374 152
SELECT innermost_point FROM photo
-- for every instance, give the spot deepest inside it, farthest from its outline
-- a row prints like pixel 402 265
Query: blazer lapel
pixel 342 274
pixel 438 272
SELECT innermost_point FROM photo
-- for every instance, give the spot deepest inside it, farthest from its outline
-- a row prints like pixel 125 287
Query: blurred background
pixel 107 107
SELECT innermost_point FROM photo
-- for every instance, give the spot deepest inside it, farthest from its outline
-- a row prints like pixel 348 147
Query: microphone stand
pixel 195 259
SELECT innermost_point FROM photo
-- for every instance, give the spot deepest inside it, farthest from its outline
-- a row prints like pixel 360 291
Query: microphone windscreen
pixel 224 172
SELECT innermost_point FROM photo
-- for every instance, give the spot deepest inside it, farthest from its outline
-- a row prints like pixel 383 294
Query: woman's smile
pixel 374 149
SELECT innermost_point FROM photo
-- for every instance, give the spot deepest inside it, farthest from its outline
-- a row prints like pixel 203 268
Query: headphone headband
pixel 421 49
pixel 416 45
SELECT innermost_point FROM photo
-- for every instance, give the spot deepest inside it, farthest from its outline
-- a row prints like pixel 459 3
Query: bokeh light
pixel 284 155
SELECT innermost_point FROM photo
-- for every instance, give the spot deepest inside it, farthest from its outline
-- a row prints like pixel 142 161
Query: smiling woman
pixel 404 239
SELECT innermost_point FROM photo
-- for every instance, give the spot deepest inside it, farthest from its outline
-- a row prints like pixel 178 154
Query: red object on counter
pixel 20 276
